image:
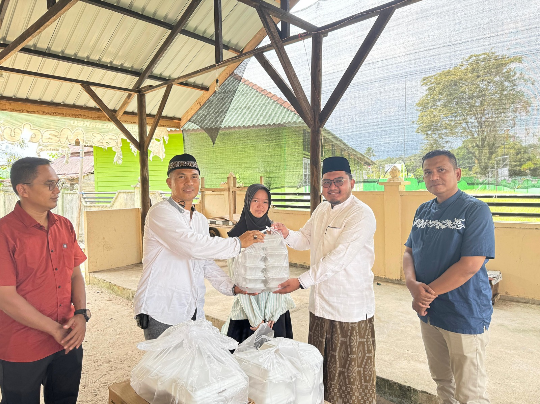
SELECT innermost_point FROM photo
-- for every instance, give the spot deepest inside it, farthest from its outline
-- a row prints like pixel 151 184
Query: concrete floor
pixel 513 355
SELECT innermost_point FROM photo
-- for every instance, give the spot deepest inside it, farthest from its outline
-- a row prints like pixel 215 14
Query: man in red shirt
pixel 42 295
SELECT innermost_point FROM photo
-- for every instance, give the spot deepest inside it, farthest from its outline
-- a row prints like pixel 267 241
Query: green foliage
pixel 369 153
pixel 477 101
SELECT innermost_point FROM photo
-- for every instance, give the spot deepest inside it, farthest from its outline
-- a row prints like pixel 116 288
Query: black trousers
pixel 60 375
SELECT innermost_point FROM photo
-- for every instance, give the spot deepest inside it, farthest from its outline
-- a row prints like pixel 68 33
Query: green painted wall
pixel 275 153
pixel 115 177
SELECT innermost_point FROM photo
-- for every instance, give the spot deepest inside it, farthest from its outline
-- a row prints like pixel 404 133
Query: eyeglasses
pixel 51 184
pixel 337 182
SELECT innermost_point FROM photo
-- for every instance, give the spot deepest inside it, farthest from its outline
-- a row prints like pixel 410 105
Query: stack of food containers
pixel 262 266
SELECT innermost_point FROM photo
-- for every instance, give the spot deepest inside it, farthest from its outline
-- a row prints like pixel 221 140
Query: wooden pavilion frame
pixel 311 111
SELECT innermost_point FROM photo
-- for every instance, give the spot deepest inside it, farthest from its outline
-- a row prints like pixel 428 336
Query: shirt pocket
pixel 67 256
pixel 331 235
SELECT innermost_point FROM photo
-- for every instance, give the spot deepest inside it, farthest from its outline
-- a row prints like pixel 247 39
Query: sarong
pixel 349 359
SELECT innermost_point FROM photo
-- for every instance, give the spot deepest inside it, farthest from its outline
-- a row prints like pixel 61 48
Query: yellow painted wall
pixel 112 238
pixel 517 256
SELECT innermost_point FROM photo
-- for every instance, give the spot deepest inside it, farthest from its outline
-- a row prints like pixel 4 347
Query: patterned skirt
pixel 349 359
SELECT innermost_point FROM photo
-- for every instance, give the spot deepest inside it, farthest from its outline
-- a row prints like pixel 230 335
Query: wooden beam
pixel 281 84
pixel 158 115
pixel 186 15
pixel 281 53
pixel 3 8
pixel 50 16
pixel 110 115
pixel 25 106
pixel 143 159
pixel 365 15
pixel 281 14
pixel 157 22
pixel 315 142
pixel 285 31
pixel 356 63
pixel 109 68
pixel 218 31
pixel 63 79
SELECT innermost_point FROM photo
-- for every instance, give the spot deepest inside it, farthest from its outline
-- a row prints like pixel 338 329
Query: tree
pixel 369 153
pixel 478 100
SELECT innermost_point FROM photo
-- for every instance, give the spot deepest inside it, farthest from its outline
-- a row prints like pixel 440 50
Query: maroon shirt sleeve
pixel 78 256
pixel 8 269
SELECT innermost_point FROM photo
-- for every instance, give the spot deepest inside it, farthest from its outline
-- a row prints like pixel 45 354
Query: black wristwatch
pixel 85 312
pixel 233 292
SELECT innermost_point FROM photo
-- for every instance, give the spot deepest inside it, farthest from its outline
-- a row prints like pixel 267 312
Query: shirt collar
pixel 28 220
pixel 342 205
pixel 448 202
pixel 182 205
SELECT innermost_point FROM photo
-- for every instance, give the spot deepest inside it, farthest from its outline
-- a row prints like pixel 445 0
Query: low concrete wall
pixel 113 238
pixel 517 256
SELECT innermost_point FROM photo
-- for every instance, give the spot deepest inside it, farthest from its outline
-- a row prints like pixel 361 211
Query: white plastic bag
pixel 272 378
pixel 309 362
pixel 190 363
pixel 262 266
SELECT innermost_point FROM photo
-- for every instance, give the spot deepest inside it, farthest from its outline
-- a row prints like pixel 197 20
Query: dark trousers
pixel 60 375
pixel 156 328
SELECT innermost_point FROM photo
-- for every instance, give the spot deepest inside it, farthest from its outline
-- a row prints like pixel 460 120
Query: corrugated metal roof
pixel 252 106
pixel 100 35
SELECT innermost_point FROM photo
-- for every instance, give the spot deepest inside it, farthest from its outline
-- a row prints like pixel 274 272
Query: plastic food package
pixel 262 266
pixel 281 370
pixel 190 363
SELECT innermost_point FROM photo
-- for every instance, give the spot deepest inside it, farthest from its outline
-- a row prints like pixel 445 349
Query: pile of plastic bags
pixel 262 266
pixel 281 370
pixel 190 363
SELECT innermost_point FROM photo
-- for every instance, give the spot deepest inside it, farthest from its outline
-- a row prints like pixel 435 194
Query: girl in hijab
pixel 249 312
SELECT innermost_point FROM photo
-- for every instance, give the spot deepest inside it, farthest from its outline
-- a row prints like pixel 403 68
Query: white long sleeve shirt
pixel 178 254
pixel 342 255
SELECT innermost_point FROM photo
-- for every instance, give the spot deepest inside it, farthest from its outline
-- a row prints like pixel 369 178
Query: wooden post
pixel 203 192
pixel 218 34
pixel 230 194
pixel 285 26
pixel 79 205
pixel 143 159
pixel 315 145
pixel 261 180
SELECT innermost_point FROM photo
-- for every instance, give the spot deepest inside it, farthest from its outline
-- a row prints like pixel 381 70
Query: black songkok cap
pixel 335 164
pixel 183 161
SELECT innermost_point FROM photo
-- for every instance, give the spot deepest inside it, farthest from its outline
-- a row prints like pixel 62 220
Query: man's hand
pixel 251 237
pixel 281 228
pixel 59 333
pixel 77 325
pixel 421 292
pixel 288 286
pixel 239 291
pixel 420 308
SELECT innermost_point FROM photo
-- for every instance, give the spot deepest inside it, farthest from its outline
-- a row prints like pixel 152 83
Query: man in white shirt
pixel 342 302
pixel 178 254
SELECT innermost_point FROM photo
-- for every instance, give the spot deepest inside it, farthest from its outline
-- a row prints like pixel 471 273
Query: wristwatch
pixel 233 292
pixel 85 312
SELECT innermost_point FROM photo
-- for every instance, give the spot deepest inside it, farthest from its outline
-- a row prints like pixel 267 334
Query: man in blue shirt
pixel 451 240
